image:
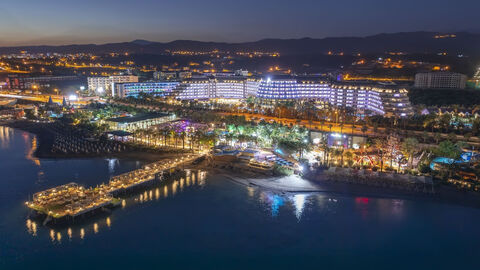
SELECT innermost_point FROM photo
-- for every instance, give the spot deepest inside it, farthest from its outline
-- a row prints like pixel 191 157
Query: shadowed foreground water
pixel 211 223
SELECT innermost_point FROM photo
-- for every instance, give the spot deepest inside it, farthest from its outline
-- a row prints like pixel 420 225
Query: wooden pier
pixel 72 200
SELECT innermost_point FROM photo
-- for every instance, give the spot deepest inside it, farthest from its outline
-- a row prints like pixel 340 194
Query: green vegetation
pixel 448 149
pixel 282 170
pixel 441 97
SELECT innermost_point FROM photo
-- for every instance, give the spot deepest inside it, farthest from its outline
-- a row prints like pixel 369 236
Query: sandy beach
pixel 297 184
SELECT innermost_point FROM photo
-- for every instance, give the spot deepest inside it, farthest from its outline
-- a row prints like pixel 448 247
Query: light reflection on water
pixel 112 163
pixel 32 145
pixel 5 137
pixel 298 203
pixel 97 225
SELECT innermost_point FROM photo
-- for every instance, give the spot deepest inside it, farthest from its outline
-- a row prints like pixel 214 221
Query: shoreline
pixel 45 140
pixel 443 194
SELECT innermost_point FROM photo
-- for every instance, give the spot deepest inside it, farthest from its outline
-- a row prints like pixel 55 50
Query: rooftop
pixel 138 117
pixel 120 133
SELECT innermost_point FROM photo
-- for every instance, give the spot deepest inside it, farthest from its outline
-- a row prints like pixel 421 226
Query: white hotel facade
pixel 107 84
pixel 382 99
pixel 217 88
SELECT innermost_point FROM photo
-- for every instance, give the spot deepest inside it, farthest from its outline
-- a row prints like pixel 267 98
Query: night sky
pixel 26 22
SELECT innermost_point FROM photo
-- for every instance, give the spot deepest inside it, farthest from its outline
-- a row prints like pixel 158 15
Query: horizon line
pixel 239 42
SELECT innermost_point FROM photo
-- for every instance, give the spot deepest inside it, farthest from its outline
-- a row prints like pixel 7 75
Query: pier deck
pixel 74 200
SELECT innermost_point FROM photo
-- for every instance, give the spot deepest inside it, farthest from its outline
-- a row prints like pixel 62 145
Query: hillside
pixel 412 42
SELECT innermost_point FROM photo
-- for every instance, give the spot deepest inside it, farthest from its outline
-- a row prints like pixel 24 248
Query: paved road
pixel 41 98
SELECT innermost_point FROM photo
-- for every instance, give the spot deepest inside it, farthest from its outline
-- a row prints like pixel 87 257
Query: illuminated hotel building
pixel 198 88
pixel 106 84
pixel 286 88
pixel 365 98
pixel 154 88
pixel 217 88
pixel 383 99
pixel 388 100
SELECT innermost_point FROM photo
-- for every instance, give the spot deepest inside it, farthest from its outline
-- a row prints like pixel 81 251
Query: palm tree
pixel 364 129
pixel 410 146
pixel 182 136
pixel 136 133
pixel 141 134
pixel 337 153
pixel 467 136
pixel 155 136
pixel 425 136
pixel 437 136
pixel 349 156
pixel 148 134
pixel 173 135
pixel 375 127
pixel 380 145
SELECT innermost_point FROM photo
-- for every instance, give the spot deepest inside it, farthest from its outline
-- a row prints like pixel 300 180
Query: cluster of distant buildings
pixel 14 81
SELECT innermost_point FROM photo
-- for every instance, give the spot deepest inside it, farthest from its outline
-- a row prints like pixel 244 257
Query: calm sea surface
pixel 207 222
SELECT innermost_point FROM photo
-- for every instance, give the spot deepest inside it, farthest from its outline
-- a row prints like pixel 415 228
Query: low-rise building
pixel 139 121
pixel 163 89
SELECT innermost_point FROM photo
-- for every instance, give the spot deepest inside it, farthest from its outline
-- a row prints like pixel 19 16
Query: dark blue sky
pixel 100 21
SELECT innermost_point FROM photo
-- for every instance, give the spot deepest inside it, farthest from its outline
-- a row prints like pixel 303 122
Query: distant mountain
pixel 142 42
pixel 410 42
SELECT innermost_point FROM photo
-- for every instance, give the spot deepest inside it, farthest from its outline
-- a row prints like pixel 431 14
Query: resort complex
pixel 377 98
